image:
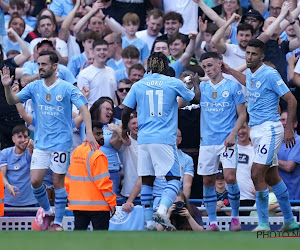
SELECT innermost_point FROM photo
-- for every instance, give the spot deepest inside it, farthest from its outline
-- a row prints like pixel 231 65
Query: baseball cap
pixel 220 174
pixel 44 41
pixel 253 13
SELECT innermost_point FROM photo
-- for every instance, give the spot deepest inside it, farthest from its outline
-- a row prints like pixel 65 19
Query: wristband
pixel 292 23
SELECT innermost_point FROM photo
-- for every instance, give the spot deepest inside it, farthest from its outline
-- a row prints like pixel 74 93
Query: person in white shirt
pixel 98 78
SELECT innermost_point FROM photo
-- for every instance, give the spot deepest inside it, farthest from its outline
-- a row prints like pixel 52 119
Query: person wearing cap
pixel 31 72
pixel 46 28
pixel 255 19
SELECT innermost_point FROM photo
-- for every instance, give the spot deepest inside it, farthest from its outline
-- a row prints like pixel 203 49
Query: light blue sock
pixel 210 202
pixel 262 204
pixel 41 196
pixel 169 194
pixel 60 205
pixel 234 198
pixel 147 201
pixel 282 196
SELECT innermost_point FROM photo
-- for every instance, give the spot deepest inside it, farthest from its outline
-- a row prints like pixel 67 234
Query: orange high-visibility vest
pixel 1 195
pixel 87 181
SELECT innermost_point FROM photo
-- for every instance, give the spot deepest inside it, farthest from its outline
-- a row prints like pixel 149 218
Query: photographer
pixel 183 215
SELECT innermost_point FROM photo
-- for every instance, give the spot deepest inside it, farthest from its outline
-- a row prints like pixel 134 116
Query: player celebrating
pixel 155 96
pixel 223 113
pixel 264 88
pixel 52 100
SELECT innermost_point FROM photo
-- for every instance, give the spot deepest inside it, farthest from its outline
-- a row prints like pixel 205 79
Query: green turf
pixel 20 240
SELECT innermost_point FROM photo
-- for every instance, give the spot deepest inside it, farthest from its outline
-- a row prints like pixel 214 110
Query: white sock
pixel 50 212
pixel 162 209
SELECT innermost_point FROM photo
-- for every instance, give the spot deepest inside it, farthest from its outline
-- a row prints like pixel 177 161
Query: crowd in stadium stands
pixel 102 48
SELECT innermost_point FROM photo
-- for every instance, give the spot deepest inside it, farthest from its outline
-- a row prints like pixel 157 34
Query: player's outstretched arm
pixel 133 194
pixel 6 80
pixel 236 74
pixel 125 119
pixel 289 137
pixel 242 116
pixel 86 116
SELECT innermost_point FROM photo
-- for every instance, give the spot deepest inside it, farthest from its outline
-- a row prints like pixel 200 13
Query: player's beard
pixel 48 74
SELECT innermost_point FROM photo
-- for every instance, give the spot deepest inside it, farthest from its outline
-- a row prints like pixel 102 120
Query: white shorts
pixel 210 156
pixel 158 160
pixel 266 139
pixel 58 162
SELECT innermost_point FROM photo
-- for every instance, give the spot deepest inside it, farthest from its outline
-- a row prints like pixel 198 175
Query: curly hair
pixel 158 63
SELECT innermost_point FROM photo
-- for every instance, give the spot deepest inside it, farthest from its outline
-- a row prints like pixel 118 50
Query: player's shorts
pixel 210 156
pixel 158 160
pixel 58 162
pixel 266 139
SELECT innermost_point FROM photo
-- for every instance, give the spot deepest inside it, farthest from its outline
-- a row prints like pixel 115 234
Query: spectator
pixel 131 24
pixel 243 173
pixel 130 56
pixel 183 215
pixel 78 62
pixel 15 168
pixel 115 51
pixel 154 23
pixel 61 8
pixel 35 33
pixel 98 78
pixel 9 116
pixel 12 53
pixel 9 41
pixel 46 28
pixel 98 188
pixel 103 111
pixel 27 14
pixel 136 72
pixel 222 194
pixel 255 19
pixel 289 163
pixel 124 86
pixel 31 72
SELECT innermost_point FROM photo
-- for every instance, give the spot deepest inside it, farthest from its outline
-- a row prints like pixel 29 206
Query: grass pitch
pixel 23 240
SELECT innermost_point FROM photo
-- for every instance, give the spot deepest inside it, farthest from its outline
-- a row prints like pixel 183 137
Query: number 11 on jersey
pixel 160 95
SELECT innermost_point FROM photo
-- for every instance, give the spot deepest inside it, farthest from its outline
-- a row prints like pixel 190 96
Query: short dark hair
pixel 12 52
pixel 158 40
pixel 52 56
pixel 18 3
pixel 130 52
pixel 244 27
pixel 90 34
pixel 97 124
pixel 136 66
pixel 99 42
pixel 95 109
pixel 20 129
pixel 172 15
pixel 178 36
pixel 257 44
pixel 211 28
pixel 207 55
pixel 44 17
pixel 158 63
pixel 14 17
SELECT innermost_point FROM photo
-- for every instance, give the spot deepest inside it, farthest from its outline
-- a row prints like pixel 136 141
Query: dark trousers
pixel 99 219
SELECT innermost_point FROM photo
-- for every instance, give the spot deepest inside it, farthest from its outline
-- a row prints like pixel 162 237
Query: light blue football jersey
pixel 264 88
pixel 75 63
pixel 18 174
pixel 53 111
pixel 218 110
pixel 176 65
pixel 157 108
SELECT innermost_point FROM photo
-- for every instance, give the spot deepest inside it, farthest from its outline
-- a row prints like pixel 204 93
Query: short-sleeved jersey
pixel 53 111
pixel 61 7
pixel 18 174
pixel 157 108
pixel 75 63
pixel 140 44
pixel 218 110
pixel 176 65
pixel 264 88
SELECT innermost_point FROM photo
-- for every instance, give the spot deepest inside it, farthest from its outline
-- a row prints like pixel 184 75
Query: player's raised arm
pixel 236 74
pixel 6 80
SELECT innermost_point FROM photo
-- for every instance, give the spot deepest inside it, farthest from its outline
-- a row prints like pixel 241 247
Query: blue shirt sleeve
pixel 130 99
pixel 238 95
pixel 56 7
pixel 3 157
pixel 27 69
pixel 185 93
pixel 177 68
pixel 280 87
pixel 294 154
pixel 189 165
pixel 77 97
pixel 67 74
pixel 25 93
pixel 145 53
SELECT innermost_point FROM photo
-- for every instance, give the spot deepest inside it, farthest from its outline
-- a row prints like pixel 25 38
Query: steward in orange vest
pixel 1 195
pixel 90 190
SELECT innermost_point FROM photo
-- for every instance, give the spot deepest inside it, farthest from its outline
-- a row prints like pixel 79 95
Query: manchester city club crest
pixel 225 94
pixel 59 98
pixel 252 84
pixel 48 97
pixel 258 84
pixel 214 95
